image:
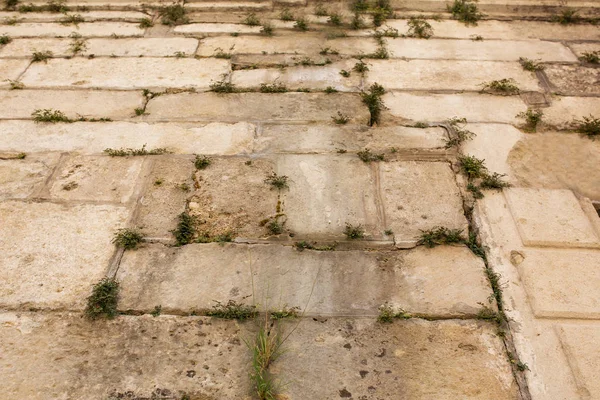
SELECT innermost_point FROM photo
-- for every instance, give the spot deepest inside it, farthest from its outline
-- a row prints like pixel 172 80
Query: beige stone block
pixel 26 47
pixel 327 192
pixel 562 283
pixel 275 276
pixel 573 79
pixel 550 218
pixel 439 107
pixel 96 178
pixel 580 344
pixel 86 29
pixel 59 251
pixel 580 48
pixel 251 107
pixel 20 179
pixel 88 16
pixel 10 70
pixel 446 75
pixel 487 50
pixel 159 357
pixel 20 104
pixel 419 196
pixel 229 5
pixel 565 109
pixel 127 73
pixel 207 28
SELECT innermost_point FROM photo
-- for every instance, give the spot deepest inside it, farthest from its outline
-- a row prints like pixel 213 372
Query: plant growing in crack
pixel 418 27
pixel 504 87
pixel 102 303
pixel 128 238
pixel 458 134
pixel 532 119
pixel 278 182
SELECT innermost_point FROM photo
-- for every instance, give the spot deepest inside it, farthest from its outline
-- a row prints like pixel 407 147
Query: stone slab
pixel 550 218
pixel 565 109
pixel 250 107
pixel 580 343
pixel 130 16
pixel 505 30
pixel 94 137
pixel 327 192
pixel 488 50
pixel 273 276
pixel 86 29
pixel 557 161
pixel 446 75
pixel 331 138
pixel 10 70
pixel 160 204
pixel 310 45
pixel 229 5
pixel 20 104
pixel 412 359
pixel 439 107
pixel 562 283
pixel 310 77
pixel 420 196
pixel 128 73
pixel 126 47
pixel 493 143
pixel 580 48
pixel 54 253
pixel 207 28
pixel 96 178
pixel 20 179
pixel 161 358
pixel 574 79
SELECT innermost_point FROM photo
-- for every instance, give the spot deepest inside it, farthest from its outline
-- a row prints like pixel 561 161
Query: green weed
pixel 251 20
pixel 531 65
pixel 50 115
pixel 330 89
pixel 372 99
pixel 5 39
pixel 38 56
pixel 387 314
pixel 285 312
pixel 156 312
pixel 275 87
pixel 340 119
pixel 202 162
pixel 440 236
pixel 493 181
pixel 335 19
pixel 505 87
pixel 223 87
pixel 72 19
pixel 459 134
pixel 418 27
pixel 267 29
pixel 588 126
pixel 567 16
pixel 286 15
pixel 465 11
pixel 279 182
pixel 174 14
pixel 146 23
pixel 532 119
pixel 367 156
pixel 185 231
pixel 345 73
pixel 301 24
pixel 128 238
pixel 353 232
pixel 102 303
pixel 472 167
pixel 123 152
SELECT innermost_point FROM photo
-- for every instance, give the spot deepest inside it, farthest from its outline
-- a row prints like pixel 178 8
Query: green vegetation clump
pixel 5 39
pixel 335 19
pixel 418 27
pixel 354 231
pixel 277 181
pixel 124 152
pixel 223 87
pixel 38 56
pixel 472 167
pixel 72 19
pixel 286 15
pixel 589 126
pixel 285 312
pixel 128 238
pixel 174 14
pixel 185 231
pixel 387 314
pixel 439 236
pixel 50 115
pixel 206 237
pixel 592 57
pixel 340 118
pixel 465 11
pixel 252 20
pixel 532 119
pixel 301 24
pixel 372 99
pixel 505 87
pixel 493 181
pixel 275 87
pixel 202 162
pixel 459 134
pixel 102 303
pixel 367 156
pixel 567 17
pixel 531 65
pixel 233 310
pixel 146 23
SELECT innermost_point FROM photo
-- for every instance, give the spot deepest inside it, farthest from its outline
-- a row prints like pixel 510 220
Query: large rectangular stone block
pixel 20 179
pixel 86 29
pixel 10 70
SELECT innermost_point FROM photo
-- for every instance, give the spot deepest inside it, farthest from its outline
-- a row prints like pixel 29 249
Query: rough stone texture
pixel 94 137
pixel 130 16
pixel 580 48
pixel 439 107
pixel 488 50
pixel 195 29
pixel 442 360
pixel 557 161
pixel 446 75
pixel 98 29
pixel 419 196
pixel 573 80
pixel 273 277
pixel 129 73
pixel 250 107
pixel 17 104
pixel 327 192
pixel 551 218
pixel 564 110
pixel 162 357
pixel 58 250
pixel 10 70
pixel 20 179
pixel 562 283
pixel 96 178
pixel 160 204
pixel 580 344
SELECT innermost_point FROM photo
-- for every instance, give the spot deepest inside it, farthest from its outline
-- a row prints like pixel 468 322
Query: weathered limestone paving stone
pixel 19 104
pixel 331 138
pixel 557 161
pixel 425 360
pixel 580 48
pixel 88 16
pixel 96 178
pixel 439 107
pixel 161 203
pixel 20 179
pixel 126 73
pixel 94 137
pixel 565 109
pixel 165 356
pixel 229 5
pixel 446 74
pixel 580 343
pixel 312 77
pixel 562 283
pixel 85 29
pixel 53 253
pixel 251 107
pixel 550 218
pixel 574 79
pixel 488 50
pixel 199 29
pixel 126 47
pixel 419 196
pixel 327 192
pixel 232 196
pixel 195 276
pixel 10 70
pixel 310 45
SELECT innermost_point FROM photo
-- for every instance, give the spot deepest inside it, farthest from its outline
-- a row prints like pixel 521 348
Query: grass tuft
pixel 367 156
pixel 418 27
pixel 353 232
pixel 387 314
pixel 301 24
pixel 38 56
pixel 373 101
pixel 123 152
pixel 592 57
pixel 493 181
pixel 472 167
pixel 128 238
pixel 146 23
pixel 102 303
pixel 531 65
pixel 50 115
pixel 589 126
pixel 172 15
pixel 223 87
pixel 5 39
pixel 505 87
pixel 251 20
pixel 340 119
pixel 275 87
pixel 532 119
pixel 465 11
pixel 439 236
pixel 185 231
pixel 279 182
pixel 202 162
pixel 567 16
